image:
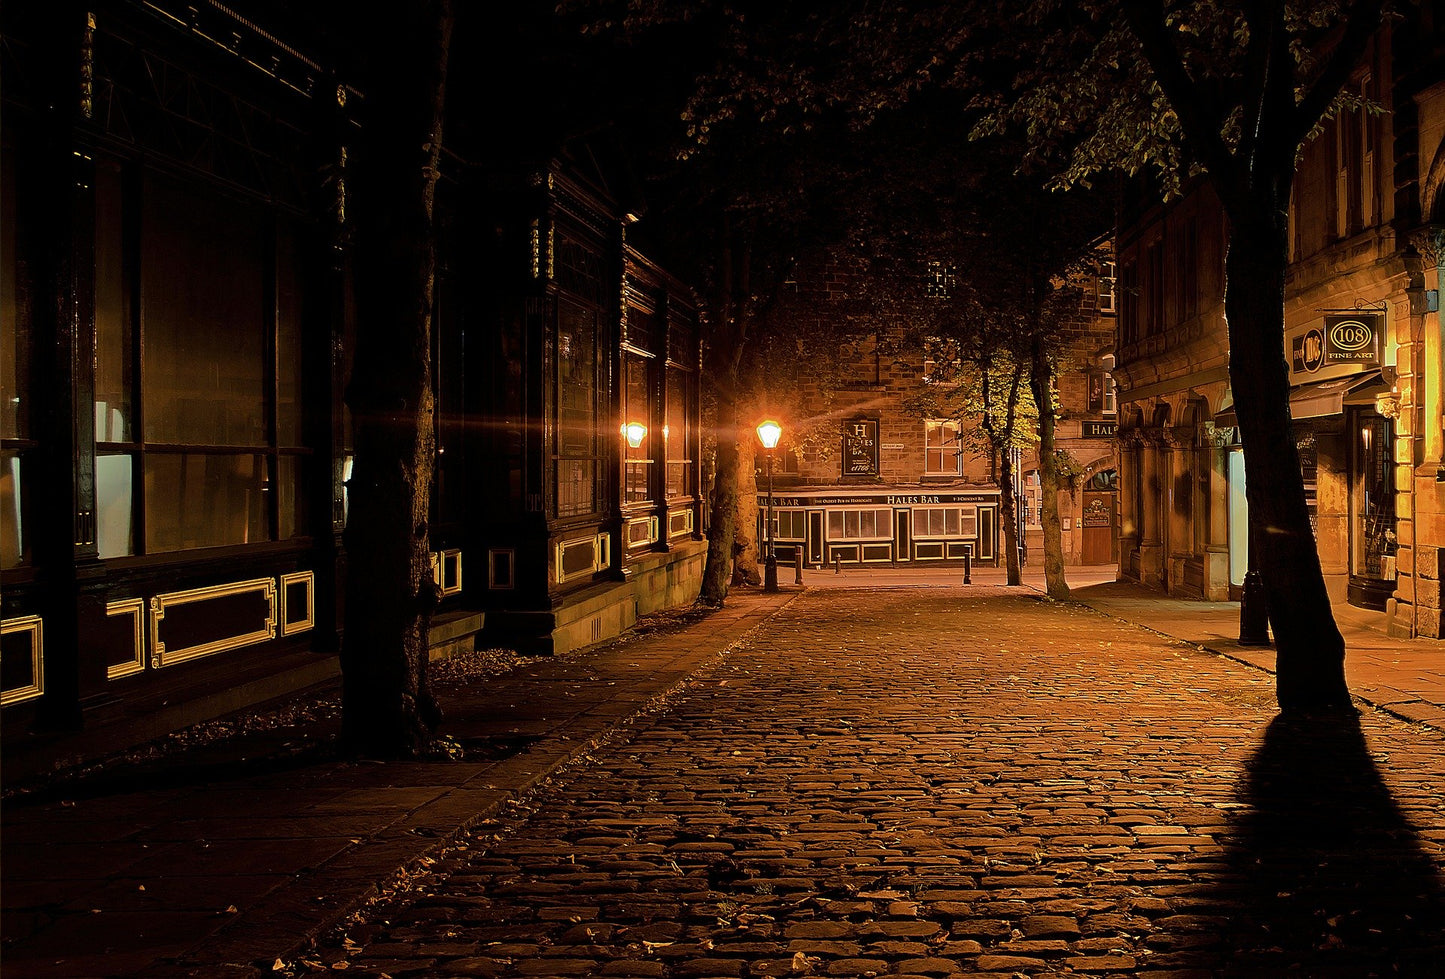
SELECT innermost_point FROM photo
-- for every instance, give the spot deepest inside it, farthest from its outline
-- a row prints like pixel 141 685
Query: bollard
pixel 837 565
pixel 967 568
pixel 798 567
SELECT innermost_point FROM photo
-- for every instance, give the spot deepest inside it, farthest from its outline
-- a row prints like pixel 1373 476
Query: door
pixel 815 538
pixel 1098 527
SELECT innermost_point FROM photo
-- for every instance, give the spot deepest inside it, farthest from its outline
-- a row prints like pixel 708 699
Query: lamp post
pixel 769 432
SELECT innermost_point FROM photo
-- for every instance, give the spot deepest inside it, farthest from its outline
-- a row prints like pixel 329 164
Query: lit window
pixel 941 453
pixel 875 524
pixel 1105 287
pixel 940 280
pixel 942 521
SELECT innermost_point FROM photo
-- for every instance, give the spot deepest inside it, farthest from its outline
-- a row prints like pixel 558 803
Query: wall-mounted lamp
pixel 634 432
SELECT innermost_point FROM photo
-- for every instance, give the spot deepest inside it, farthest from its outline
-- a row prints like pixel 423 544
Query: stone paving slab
pixel 948 783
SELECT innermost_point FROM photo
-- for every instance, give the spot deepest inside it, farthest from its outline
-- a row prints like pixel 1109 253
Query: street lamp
pixel 769 432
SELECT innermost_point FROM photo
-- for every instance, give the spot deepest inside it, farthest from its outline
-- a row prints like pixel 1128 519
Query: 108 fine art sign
pixel 1343 338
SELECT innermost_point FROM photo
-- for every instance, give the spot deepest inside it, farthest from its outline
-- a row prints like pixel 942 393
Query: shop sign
pixel 1096 513
pixel 860 447
pixel 1100 430
pixel 1344 339
pixel 882 499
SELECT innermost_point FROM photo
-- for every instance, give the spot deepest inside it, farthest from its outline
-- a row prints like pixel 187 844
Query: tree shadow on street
pixel 1326 876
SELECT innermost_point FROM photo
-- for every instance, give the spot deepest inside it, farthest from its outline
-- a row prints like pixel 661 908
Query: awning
pixel 1316 399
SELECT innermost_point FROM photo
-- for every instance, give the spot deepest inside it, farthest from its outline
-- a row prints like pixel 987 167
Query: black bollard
pixel 967 567
pixel 837 565
pixel 798 566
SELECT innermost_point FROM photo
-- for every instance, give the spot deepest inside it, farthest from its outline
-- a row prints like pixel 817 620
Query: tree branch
pixel 1203 123
pixel 1362 21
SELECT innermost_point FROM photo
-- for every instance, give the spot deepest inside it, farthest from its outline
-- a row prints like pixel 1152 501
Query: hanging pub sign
pixel 1344 338
pixel 860 447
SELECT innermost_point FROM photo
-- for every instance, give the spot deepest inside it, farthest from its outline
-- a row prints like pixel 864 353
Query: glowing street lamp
pixel 634 432
pixel 768 433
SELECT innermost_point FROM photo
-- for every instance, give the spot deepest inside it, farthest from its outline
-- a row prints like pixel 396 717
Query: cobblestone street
pixel 948 781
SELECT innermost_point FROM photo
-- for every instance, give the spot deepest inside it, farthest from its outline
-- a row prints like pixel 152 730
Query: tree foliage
pixel 1230 92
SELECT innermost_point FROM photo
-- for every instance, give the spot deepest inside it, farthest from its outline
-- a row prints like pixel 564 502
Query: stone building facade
pixel 864 478
pixel 1363 343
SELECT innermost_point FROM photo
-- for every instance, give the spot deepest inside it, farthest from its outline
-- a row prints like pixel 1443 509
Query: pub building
pixel 861 481
pixel 175 338
pixel 860 522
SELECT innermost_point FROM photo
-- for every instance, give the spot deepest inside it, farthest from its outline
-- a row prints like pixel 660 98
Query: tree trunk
pixel 1041 375
pixel 746 545
pixel 388 709
pixel 1310 651
pixel 717 571
pixel 1008 503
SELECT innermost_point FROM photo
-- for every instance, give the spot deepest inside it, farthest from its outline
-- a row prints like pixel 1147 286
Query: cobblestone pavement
pixel 941 782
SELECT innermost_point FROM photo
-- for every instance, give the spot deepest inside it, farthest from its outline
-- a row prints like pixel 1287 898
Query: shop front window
pixel 637 411
pixel 576 409
pixel 14 376
pixel 867 524
pixel 681 388
pixel 197 427
pixel 1374 540
pixel 945 522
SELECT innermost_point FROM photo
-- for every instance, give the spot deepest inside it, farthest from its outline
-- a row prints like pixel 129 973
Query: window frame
pixel 942 447
pixel 277 462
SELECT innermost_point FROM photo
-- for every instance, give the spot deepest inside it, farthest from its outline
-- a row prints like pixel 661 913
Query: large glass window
pixel 942 455
pixel 945 521
pixel 576 409
pixel 875 524
pixel 681 388
pixel 1374 541
pixel 789 523
pixel 205 450
pixel 15 290
pixel 637 410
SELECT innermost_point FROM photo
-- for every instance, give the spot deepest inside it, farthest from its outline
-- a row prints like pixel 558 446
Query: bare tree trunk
pixel 388 709
pixel 746 545
pixel 1041 375
pixel 717 571
pixel 1008 503
pixel 1310 651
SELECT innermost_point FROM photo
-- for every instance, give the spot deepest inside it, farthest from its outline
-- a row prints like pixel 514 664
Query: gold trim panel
pixel 161 656
pixel 288 627
pixel 33 625
pixel 135 608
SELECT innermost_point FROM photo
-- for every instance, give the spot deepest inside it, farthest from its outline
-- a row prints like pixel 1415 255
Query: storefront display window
pixel 945 522
pixel 576 409
pixel 206 444
pixel 875 524
pixel 637 410
pixel 1374 540
pixel 14 377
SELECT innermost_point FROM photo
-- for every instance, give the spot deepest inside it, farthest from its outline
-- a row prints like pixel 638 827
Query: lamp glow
pixel 769 432
pixel 635 432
